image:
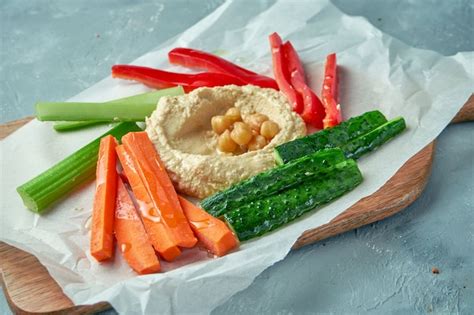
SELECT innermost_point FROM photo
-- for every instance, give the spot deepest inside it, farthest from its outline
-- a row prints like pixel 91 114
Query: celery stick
pixel 74 125
pixel 133 108
pixel 145 98
pixel 53 184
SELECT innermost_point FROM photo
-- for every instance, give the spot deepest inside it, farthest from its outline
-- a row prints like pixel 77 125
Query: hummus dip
pixel 180 128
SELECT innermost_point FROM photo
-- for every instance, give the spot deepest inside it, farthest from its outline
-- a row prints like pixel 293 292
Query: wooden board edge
pixel 466 113
pixel 11 126
pixel 71 310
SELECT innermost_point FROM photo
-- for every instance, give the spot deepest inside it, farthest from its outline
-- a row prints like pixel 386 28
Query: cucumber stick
pixel 272 181
pixel 330 137
pixel 133 108
pixel 373 139
pixel 263 215
pixel 53 184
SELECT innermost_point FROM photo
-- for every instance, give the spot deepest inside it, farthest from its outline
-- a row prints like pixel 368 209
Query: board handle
pixel 466 113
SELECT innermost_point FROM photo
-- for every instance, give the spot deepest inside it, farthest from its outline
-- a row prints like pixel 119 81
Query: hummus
pixel 180 128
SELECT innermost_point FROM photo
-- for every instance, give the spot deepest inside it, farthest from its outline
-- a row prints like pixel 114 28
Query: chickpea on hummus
pixel 184 131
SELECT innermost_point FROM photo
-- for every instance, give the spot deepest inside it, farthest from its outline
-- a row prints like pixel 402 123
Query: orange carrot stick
pixel 159 186
pixel 212 232
pixel 160 237
pixel 131 236
pixel 102 238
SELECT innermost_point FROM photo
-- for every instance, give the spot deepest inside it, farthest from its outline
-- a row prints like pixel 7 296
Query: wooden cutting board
pixel 30 289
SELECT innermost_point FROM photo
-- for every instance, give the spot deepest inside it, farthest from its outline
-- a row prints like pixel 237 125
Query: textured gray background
pixel 51 50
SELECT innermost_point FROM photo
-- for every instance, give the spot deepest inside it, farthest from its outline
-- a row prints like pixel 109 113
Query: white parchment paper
pixel 376 72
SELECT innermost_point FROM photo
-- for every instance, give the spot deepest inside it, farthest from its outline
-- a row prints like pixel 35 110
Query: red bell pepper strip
pixel 333 112
pixel 313 111
pixel 329 93
pixel 160 79
pixel 282 76
pixel 193 58
pixel 330 76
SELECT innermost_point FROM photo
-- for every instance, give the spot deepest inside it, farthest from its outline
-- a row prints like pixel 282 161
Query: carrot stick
pixel 131 236
pixel 212 232
pixel 160 238
pixel 102 239
pixel 159 186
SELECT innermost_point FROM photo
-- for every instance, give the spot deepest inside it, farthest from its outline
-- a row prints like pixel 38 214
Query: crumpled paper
pixel 376 72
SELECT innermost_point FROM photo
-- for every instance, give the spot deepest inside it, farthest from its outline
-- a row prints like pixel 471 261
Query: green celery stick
pixel 133 108
pixel 74 125
pixel 53 184
pixel 145 98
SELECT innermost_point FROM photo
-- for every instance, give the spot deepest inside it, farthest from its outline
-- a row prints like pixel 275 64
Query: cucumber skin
pixel 375 138
pixel 330 137
pixel 53 184
pixel 271 181
pixel 261 216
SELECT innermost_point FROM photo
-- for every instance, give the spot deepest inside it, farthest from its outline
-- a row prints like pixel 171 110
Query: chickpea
pixel 220 124
pixel 240 124
pixel 225 143
pixel 258 142
pixel 255 120
pixel 233 114
pixel 241 149
pixel 269 129
pixel 241 133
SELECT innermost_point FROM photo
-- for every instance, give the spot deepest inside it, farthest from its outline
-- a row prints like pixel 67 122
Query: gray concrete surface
pixel 51 50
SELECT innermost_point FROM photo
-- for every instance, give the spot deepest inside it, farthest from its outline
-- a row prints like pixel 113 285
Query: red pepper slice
pixel 160 79
pixel 193 58
pixel 313 111
pixel 333 112
pixel 282 76
pixel 329 93
pixel 330 76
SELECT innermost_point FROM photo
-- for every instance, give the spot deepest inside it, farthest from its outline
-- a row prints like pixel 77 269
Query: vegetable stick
pixel 272 181
pixel 102 238
pixel 160 237
pixel 256 218
pixel 337 136
pixel 216 236
pixel 55 183
pixel 159 186
pixel 329 95
pixel 63 126
pixel 333 115
pixel 313 111
pixel 149 98
pixel 158 79
pixel 330 77
pixel 126 109
pixel 132 240
pixel 193 58
pixel 280 72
